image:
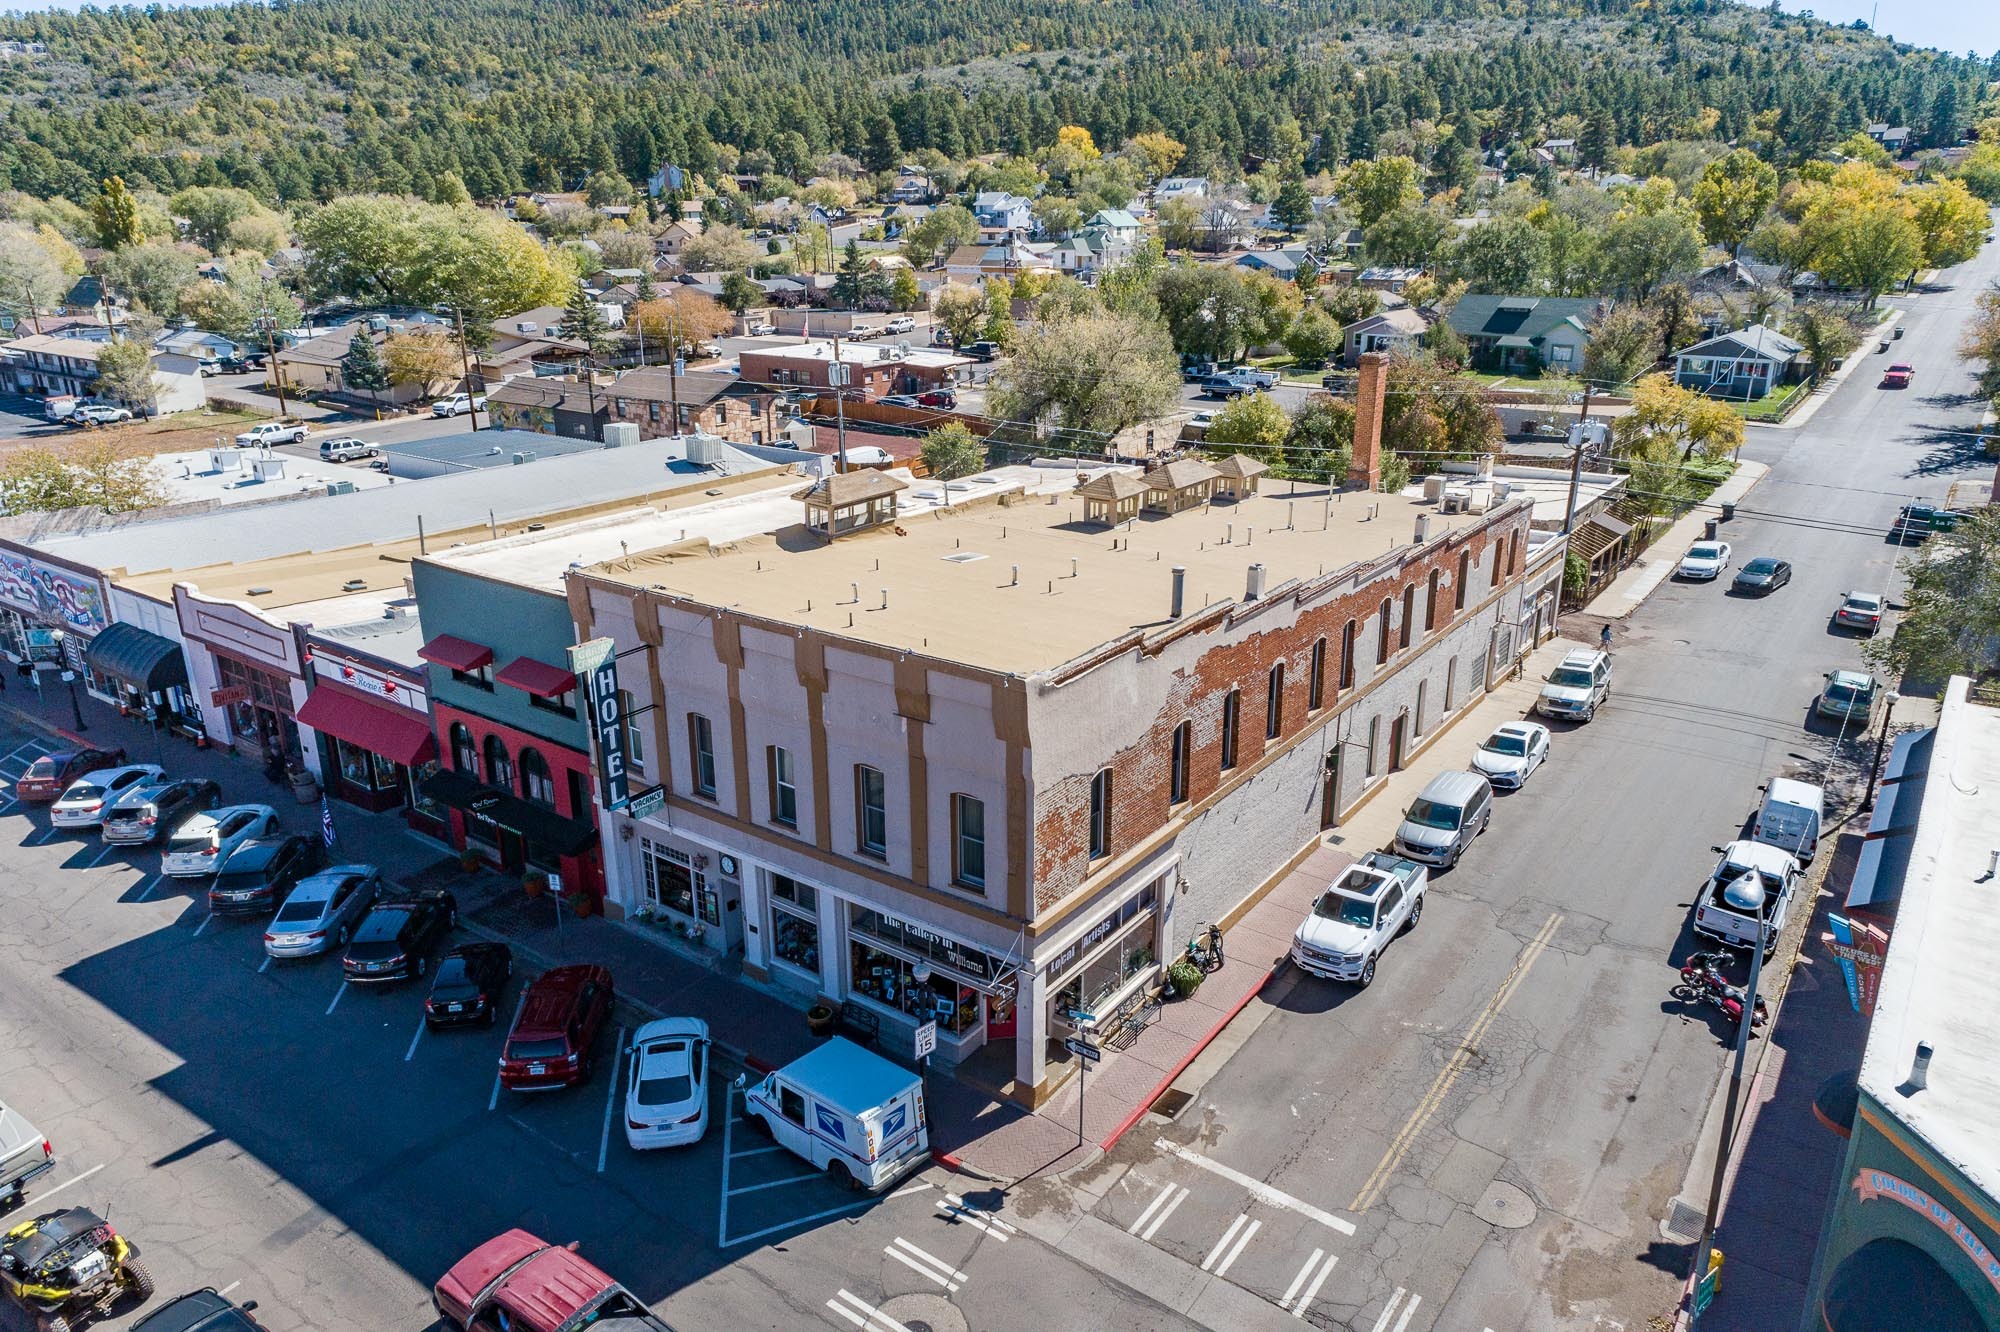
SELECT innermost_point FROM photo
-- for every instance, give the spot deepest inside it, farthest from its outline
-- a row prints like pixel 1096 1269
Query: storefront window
pixel 891 981
pixel 1108 955
pixel 370 772
pixel 671 879
pixel 920 942
pixel 795 923
pixel 420 802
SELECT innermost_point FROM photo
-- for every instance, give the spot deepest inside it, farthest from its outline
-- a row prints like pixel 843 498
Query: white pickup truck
pixel 1350 923
pixel 1751 889
pixel 25 1155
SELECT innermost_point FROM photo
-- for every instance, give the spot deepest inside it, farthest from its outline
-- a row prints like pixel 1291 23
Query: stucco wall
pixel 514 621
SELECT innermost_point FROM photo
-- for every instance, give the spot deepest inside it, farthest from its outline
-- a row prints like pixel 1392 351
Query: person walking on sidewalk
pixel 1604 637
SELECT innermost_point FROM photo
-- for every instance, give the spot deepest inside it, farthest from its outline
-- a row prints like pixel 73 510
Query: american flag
pixel 326 821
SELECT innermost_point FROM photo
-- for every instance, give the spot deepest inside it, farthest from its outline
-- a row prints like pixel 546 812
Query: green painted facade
pixel 514 621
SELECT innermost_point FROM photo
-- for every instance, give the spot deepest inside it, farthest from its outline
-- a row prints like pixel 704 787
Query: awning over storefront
pixel 140 658
pixel 391 732
pixel 536 677
pixel 541 825
pixel 457 654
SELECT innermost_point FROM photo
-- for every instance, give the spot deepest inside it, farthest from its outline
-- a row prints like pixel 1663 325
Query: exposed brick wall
pixel 1141 771
pixel 1371 384
pixel 734 419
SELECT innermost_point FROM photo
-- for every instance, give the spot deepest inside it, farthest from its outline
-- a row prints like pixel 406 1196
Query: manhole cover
pixel 1505 1206
pixel 925 1313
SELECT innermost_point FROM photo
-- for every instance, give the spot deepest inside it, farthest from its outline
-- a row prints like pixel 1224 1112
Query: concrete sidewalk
pixel 1657 563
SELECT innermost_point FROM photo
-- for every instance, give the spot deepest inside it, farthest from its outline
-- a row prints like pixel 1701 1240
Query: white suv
pixel 343 448
pixel 1577 687
pixel 1351 923
pixel 458 404
pixel 271 432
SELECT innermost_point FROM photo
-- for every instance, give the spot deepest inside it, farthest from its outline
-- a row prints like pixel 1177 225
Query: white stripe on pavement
pixel 1257 1188
pixel 411 1053
pixel 772 1184
pixel 1300 1279
pixel 206 921
pixel 266 966
pixel 1409 1312
pixel 610 1100
pixel 103 855
pixel 493 1101
pixel 1223 1243
pixel 903 1192
pixel 73 1179
pixel 1161 1219
pixel 955 1208
pixel 1147 1215
pixel 151 884
pixel 336 998
pixel 926 1265
pixel 1312 1291
pixel 1389 1311
pixel 1222 1268
pixel 863 1314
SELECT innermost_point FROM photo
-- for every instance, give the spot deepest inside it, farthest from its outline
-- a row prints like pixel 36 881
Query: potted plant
pixel 820 1019
pixel 582 903
pixel 535 883
pixel 1184 976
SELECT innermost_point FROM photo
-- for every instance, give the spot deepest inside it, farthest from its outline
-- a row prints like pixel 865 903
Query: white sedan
pixel 666 1094
pixel 1705 560
pixel 1509 756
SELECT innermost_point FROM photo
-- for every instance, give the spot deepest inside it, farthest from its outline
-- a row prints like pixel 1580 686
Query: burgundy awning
pixel 378 728
pixel 536 677
pixel 456 654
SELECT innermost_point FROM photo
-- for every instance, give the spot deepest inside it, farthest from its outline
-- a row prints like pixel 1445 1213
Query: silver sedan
pixel 321 913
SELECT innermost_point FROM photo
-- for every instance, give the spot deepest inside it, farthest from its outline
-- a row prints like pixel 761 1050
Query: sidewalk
pixel 1657 563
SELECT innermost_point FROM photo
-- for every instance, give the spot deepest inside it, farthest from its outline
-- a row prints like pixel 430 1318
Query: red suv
pixel 560 1015
pixel 50 775
pixel 517 1282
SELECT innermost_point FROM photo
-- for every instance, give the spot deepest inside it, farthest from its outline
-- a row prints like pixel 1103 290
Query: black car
pixel 1762 574
pixel 396 940
pixel 150 813
pixel 261 873
pixel 468 985
pixel 981 351
pixel 201 1311
pixel 236 365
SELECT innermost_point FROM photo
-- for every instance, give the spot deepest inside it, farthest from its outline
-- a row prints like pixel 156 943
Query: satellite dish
pixel 1745 892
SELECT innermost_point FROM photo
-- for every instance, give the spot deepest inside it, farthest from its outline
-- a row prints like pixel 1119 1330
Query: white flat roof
pixel 194 476
pixel 1938 984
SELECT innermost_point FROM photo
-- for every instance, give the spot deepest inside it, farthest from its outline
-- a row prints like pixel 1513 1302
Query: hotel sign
pixel 597 663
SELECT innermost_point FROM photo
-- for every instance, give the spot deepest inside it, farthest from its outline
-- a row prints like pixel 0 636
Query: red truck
pixel 1898 375
pixel 517 1283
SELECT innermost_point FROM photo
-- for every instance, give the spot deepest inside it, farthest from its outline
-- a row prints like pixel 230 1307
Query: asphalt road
pixel 1506 1115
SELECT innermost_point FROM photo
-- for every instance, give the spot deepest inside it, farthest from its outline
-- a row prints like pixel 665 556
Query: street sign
pixel 926 1039
pixel 646 802
pixel 1079 1015
pixel 1083 1050
pixel 555 884
pixel 1706 1289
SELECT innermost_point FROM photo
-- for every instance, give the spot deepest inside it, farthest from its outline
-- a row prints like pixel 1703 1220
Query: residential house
pixel 913 186
pixel 1525 334
pixel 1180 187
pixel 666 179
pixel 662 403
pixel 1116 223
pixel 874 370
pixel 1895 138
pixel 86 294
pixel 198 343
pixel 1009 258
pixel 558 406
pixel 312 368
pixel 1393 330
pixel 1284 263
pixel 1562 150
pixel 523 341
pixel 1090 252
pixel 1388 278
pixel 1746 364
pixel 900 217
pixel 1001 215
pixel 674 236
pixel 51 365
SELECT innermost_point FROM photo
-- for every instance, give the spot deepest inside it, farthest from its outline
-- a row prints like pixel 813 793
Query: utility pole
pixel 590 378
pixel 34 313
pixel 1881 742
pixel 1743 1029
pixel 465 360
pixel 837 376
pixel 270 323
pixel 1576 461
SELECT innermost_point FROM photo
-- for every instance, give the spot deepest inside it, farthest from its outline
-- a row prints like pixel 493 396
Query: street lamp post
pixel 1745 1025
pixel 1881 743
pixel 69 678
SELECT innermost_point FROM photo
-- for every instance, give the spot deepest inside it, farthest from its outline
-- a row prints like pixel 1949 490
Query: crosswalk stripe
pixel 1151 1207
pixel 1389 1310
pixel 1409 1312
pixel 926 1265
pixel 1161 1219
pixel 1312 1291
pixel 1222 1269
pixel 954 1208
pixel 1300 1279
pixel 863 1314
pixel 1223 1243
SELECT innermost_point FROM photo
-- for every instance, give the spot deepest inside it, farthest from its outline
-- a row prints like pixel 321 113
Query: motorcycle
pixel 1702 979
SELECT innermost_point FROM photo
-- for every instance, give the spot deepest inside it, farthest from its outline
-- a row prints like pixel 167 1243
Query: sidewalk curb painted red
pixel 1181 1067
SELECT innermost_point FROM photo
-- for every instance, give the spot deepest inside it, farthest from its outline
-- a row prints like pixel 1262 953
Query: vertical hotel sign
pixel 597 662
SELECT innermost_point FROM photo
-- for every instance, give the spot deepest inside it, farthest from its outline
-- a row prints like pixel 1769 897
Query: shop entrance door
pixel 513 850
pixel 1329 793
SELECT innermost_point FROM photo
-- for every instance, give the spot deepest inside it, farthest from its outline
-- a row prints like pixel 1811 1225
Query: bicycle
pixel 1205 949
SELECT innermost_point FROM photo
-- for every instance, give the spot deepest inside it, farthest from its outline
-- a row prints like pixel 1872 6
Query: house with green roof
pixel 1525 334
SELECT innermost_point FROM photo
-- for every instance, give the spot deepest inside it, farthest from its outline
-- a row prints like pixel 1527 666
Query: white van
pixel 851 1113
pixel 1791 816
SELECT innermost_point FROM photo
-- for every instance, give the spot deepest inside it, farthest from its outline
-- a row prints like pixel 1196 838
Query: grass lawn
pixel 200 419
pixel 1289 372
pixel 1769 407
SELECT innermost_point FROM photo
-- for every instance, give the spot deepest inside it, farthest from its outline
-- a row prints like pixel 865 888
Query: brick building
pixel 874 370
pixel 706 402
pixel 989 763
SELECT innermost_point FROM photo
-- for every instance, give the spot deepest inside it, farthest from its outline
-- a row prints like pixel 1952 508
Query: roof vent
pixel 260 591
pixel 963 557
pixel 355 585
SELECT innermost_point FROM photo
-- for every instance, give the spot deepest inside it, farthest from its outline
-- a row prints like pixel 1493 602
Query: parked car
pixel 468 984
pixel 938 398
pixel 1261 379
pixel 550 1045
pixel 1447 814
pixel 153 811
pixel 458 404
pixel 321 913
pixel 1704 561
pixel 1577 687
pixel 1751 886
pixel 860 330
pixel 982 351
pixel 261 873
pixel 1194 372
pixel 52 774
pixel 866 1114
pixel 98 414
pixel 25 1155
pixel 519 1283
pixel 666 1093
pixel 760 328
pixel 1509 756
pixel 1860 610
pixel 271 432
pixel 900 324
pixel 1791 816
pixel 204 1310
pixel 237 365
pixel 1351 922
pixel 1762 575
pixel 200 845
pixel 1915 522
pixel 1201 420
pixel 1849 697
pixel 396 940
pixel 346 448
pixel 901 400
pixel 84 803
pixel 68 1265
pixel 1223 386
pixel 1898 375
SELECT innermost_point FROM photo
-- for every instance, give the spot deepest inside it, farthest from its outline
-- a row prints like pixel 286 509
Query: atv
pixel 69 1265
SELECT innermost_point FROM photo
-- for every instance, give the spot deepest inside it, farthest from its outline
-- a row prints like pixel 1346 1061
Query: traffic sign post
pixel 1706 1289
pixel 1086 1054
pixel 926 1043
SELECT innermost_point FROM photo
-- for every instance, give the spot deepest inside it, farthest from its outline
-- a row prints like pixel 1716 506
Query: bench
pixel 858 1024
pixel 1130 1020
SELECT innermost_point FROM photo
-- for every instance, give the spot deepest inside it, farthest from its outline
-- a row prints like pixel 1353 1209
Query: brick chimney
pixel 1366 471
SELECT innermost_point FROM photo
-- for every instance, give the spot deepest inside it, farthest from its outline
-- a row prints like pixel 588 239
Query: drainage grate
pixel 1170 1102
pixel 1683 1223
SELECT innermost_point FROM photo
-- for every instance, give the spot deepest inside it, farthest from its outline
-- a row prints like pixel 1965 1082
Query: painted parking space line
pixel 771 1184
pixel 766 1151
pixel 35 745
pixel 863 1314
pixel 265 965
pixel 44 837
pixel 1208 1264
pixel 151 884
pixel 1311 1290
pixel 926 1265
pixel 1256 1188
pixel 1389 1311
pixel 224 1292
pixel 610 1100
pixel 955 1209
pixel 411 1053
pixel 73 1179
pixel 109 850
pixel 493 1101
pixel 1161 1219
pixel 336 998
pixel 206 921
pixel 1147 1215
pixel 903 1192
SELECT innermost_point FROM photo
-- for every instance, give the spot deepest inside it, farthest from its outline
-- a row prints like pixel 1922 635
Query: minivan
pixel 1790 817
pixel 848 1111
pixel 1441 823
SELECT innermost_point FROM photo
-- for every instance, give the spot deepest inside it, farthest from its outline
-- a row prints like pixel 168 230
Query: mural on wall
pixel 55 594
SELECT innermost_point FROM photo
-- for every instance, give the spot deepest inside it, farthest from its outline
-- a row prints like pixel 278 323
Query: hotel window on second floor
pixel 1100 814
pixel 479 677
pixel 701 746
pixel 784 790
pixel 871 811
pixel 635 730
pixel 464 751
pixel 1458 587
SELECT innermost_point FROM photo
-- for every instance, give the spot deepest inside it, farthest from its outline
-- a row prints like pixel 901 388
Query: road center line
pixel 1257 1188
pixel 1468 1045
pixel 610 1100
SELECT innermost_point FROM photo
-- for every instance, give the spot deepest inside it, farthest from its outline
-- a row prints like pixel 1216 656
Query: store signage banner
pixel 597 663
pixel 1870 1185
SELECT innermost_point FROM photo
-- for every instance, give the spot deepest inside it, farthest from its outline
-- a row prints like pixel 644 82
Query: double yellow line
pixel 1371 1191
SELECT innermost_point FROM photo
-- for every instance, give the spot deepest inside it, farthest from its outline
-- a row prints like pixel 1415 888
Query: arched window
pixel 464 753
pixel 537 786
pixel 1177 778
pixel 1347 656
pixel 1274 702
pixel 1316 685
pixel 1458 588
pixel 499 768
pixel 1409 616
pixel 1382 631
pixel 1431 600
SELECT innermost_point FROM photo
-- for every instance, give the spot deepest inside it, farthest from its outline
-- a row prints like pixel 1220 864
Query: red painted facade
pixel 570 773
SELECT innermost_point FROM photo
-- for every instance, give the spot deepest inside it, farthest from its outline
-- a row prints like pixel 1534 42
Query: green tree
pixel 847 282
pixel 1502 257
pixel 607 187
pixel 425 357
pixel 1431 412
pixel 1826 334
pixel 1089 377
pixel 952 451
pixel 1637 252
pixel 739 292
pixel 91 473
pixel 1869 245
pixel 583 322
pixel 31 271
pixel 115 214
pixel 1320 443
pixel 209 211
pixel 1410 236
pixel 1209 310
pixel 1179 223
pixel 1347 305
pixel 152 274
pixel 125 372
pixel 1732 196
pixel 400 250
pixel 361 368
pixel 1372 190
pixel 1313 339
pixel 1255 421
pixel 1057 216
pixel 1293 207
pixel 934 238
pixel 1951 606
pixel 961 312
pixel 449 188
pixel 904 293
pixel 1692 422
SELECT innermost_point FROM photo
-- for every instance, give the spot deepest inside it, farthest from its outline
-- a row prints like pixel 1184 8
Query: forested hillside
pixel 306 101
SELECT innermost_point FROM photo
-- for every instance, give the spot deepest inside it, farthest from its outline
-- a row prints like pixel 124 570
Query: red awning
pixel 391 732
pixel 536 677
pixel 456 654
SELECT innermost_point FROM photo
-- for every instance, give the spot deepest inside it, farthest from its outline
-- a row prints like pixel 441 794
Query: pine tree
pixel 847 283
pixel 362 367
pixel 584 322
pixel 1294 205
pixel 1600 136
